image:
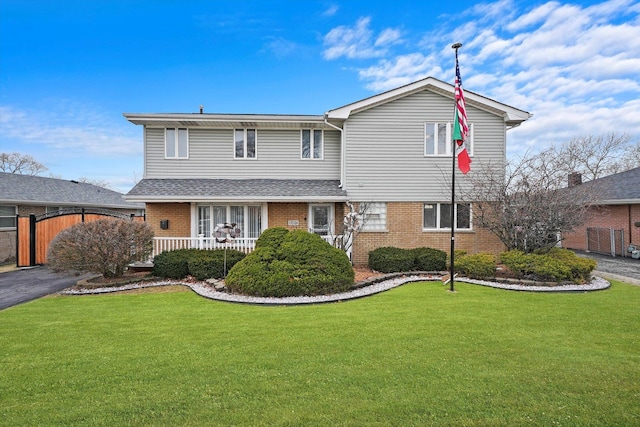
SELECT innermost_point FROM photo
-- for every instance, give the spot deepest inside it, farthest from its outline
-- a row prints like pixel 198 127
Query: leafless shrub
pixel 105 246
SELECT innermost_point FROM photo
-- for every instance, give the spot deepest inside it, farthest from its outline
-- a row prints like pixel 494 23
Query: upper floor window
pixel 7 216
pixel 311 143
pixel 245 144
pixel 176 143
pixel 438 216
pixel 437 139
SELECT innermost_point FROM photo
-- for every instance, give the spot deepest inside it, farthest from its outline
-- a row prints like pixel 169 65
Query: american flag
pixel 461 128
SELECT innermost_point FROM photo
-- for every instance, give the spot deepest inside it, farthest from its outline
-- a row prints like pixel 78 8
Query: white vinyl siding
pixel 211 155
pixel 385 149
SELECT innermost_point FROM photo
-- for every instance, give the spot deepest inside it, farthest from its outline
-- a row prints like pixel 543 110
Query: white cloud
pixel 75 130
pixel 331 10
pixel 357 42
pixel 574 67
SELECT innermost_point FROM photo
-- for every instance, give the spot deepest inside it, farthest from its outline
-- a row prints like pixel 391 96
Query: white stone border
pixel 208 291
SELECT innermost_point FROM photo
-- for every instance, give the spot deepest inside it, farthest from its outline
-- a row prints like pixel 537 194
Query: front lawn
pixel 415 355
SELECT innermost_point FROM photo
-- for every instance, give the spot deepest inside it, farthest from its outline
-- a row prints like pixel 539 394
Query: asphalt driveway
pixel 18 286
pixel 625 269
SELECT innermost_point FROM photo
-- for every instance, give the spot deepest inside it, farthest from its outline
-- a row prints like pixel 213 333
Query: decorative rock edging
pixel 371 287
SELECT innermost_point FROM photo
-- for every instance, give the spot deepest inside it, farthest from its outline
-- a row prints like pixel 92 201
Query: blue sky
pixel 69 69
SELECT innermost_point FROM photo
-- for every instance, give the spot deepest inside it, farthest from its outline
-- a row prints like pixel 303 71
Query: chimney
pixel 201 109
pixel 575 178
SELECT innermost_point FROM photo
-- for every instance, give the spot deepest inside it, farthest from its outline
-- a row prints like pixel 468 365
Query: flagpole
pixel 455 46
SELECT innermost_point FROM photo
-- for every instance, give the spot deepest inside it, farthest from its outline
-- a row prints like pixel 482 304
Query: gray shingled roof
pixel 235 189
pixel 37 190
pixel 623 187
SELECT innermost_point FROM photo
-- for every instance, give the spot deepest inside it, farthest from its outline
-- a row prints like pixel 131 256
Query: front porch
pixel 246 245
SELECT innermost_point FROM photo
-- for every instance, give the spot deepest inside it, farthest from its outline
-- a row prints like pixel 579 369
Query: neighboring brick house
pixel 616 215
pixel 24 195
pixel 391 150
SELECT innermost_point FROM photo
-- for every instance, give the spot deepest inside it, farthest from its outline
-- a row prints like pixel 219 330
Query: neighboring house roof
pixel 512 116
pixel 211 190
pixel 618 189
pixel 37 190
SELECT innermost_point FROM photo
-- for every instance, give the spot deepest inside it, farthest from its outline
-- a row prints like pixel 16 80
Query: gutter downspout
pixel 342 148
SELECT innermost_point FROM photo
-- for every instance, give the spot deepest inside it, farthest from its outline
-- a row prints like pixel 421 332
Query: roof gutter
pixel 342 147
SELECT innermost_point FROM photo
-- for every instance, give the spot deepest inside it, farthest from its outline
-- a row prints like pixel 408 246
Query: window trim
pixel 449 143
pixel 244 147
pixel 438 217
pixel 176 143
pixel 312 144
pixel 14 216
pixel 227 209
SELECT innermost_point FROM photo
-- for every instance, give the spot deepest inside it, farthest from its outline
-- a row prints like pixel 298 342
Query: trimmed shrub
pixel 294 263
pixel 210 264
pixel 104 246
pixel 199 263
pixel 272 237
pixel 477 266
pixel 173 264
pixel 390 260
pixel 429 259
pixel 556 265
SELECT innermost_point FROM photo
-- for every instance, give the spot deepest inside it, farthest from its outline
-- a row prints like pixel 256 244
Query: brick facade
pixel 178 214
pixel 404 230
pixel 404 227
pixel 617 217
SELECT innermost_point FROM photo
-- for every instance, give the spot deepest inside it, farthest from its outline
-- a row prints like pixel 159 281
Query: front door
pixel 321 219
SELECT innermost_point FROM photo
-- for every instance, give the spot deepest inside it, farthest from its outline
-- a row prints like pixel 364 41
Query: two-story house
pixel 391 151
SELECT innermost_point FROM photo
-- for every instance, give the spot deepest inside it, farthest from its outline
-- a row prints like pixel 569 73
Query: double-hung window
pixel 7 217
pixel 437 139
pixel 176 143
pixel 311 143
pixel 437 216
pixel 245 143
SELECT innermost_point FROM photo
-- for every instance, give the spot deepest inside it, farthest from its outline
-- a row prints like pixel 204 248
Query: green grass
pixel 415 355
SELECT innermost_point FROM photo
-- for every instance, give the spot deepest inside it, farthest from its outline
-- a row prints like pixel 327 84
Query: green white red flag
pixel 460 126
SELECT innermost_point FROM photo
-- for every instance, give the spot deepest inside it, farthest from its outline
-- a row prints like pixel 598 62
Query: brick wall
pixel 178 214
pixel 617 217
pixel 404 230
pixel 281 213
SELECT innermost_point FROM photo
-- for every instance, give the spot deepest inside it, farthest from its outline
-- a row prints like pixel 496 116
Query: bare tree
pixel 594 156
pixel 527 207
pixel 98 182
pixel 18 163
pixel 352 224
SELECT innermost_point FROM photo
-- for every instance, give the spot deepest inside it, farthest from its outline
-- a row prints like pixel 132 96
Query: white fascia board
pixel 511 114
pixel 206 119
pixel 188 199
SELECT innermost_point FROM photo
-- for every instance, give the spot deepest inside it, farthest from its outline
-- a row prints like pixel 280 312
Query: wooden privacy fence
pixel 35 233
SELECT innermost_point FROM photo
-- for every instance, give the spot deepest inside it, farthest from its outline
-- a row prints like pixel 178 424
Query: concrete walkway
pixel 26 284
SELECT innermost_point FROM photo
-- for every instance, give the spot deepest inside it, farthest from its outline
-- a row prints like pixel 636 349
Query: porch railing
pixel 246 245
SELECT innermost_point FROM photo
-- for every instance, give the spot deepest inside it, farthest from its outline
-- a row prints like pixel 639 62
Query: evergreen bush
pixel 554 265
pixel 389 259
pixel 429 259
pixel 294 263
pixel 477 266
